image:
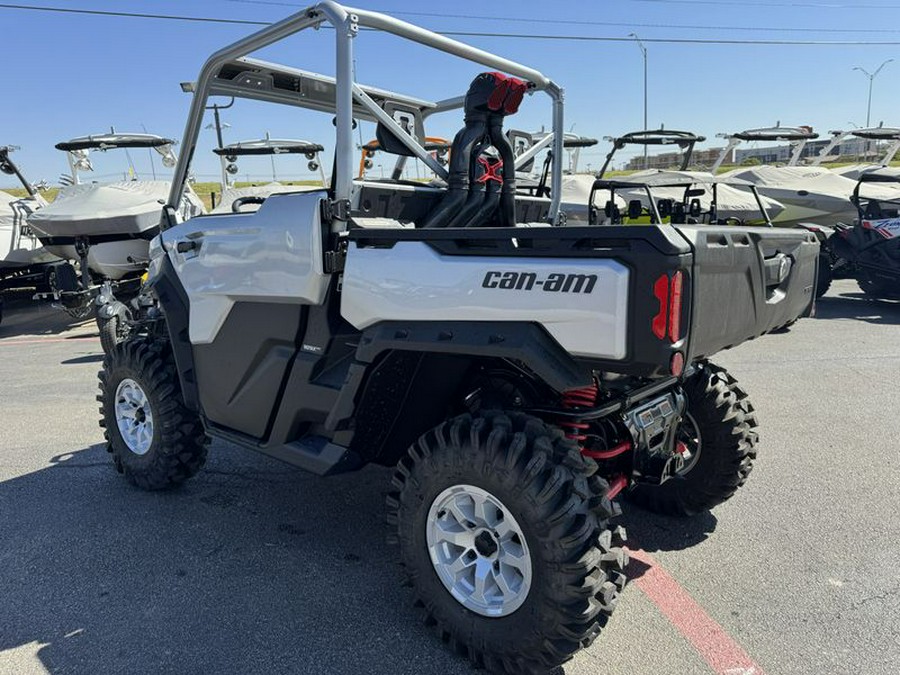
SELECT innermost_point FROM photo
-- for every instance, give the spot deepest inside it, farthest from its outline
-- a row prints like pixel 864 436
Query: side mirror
pixel 609 208
pixel 635 209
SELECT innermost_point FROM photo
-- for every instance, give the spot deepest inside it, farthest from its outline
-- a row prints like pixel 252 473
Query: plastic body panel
pixel 735 298
pixel 274 255
pixel 582 303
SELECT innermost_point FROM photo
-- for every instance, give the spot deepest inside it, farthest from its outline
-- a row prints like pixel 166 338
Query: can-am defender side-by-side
pixel 519 375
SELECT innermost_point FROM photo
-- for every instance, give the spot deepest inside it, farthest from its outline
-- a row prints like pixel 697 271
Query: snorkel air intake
pixel 477 185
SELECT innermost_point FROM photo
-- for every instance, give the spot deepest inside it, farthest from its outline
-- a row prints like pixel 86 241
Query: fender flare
pixel 528 343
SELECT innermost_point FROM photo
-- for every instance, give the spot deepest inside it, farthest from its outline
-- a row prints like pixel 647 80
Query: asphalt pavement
pixel 255 567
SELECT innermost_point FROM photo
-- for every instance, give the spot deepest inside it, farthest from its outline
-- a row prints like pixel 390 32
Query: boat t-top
pixel 879 134
pixel 249 198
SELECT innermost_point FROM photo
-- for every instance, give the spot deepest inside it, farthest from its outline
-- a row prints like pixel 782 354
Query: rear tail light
pixel 675 307
pixel 668 293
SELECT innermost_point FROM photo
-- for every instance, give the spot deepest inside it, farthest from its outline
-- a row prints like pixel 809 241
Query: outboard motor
pixel 472 195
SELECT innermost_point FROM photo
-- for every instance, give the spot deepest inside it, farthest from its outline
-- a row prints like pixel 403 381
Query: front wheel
pixel 826 275
pixel 718 441
pixel 504 537
pixel 154 439
pixel 112 332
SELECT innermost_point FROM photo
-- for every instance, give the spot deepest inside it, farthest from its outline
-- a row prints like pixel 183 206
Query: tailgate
pixel 746 282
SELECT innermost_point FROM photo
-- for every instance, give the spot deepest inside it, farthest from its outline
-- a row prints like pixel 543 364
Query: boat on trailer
pixel 105 228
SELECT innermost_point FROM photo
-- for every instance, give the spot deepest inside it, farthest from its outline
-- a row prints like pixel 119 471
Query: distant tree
pixel 751 161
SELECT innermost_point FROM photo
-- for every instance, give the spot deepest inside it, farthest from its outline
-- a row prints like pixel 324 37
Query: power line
pixel 781 5
pixel 450 33
pixel 621 24
pixel 134 15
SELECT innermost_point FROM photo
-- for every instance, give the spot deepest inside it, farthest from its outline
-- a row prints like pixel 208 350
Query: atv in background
pixel 869 250
pixel 519 375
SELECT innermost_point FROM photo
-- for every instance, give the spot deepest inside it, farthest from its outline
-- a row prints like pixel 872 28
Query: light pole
pixel 871 77
pixel 644 54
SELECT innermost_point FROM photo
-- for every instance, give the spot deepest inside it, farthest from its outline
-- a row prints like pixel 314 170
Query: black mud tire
pixel 111 332
pixel 720 413
pixel 549 488
pixel 179 445
pixel 825 276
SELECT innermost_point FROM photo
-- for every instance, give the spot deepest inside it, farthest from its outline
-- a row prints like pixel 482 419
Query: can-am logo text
pixel 528 281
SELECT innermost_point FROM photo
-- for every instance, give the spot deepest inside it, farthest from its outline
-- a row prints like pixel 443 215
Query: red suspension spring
pixel 585 397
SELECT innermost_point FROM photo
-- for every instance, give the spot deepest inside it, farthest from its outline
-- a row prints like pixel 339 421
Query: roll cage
pixel 685 140
pixel 872 208
pixel 230 72
pixel 660 209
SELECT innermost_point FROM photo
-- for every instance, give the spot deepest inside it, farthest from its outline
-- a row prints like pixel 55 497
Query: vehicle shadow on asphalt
pixel 653 532
pixel 251 567
pixel 858 306
pixel 24 316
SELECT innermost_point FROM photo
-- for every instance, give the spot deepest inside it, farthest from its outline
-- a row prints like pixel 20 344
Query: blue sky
pixel 69 75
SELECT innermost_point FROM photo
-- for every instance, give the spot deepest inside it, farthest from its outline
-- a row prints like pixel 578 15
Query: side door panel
pixel 249 279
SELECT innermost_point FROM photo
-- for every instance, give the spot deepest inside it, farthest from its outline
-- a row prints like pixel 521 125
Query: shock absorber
pixel 586 397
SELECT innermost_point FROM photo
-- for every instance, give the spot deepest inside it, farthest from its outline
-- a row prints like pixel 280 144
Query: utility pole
pixel 644 54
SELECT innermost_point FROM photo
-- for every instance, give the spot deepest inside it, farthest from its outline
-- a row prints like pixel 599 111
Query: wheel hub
pixel 478 551
pixel 134 417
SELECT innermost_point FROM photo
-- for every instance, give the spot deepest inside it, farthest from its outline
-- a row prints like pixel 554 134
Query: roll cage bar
pixel 685 140
pixel 229 72
pixel 692 188
pixel 798 137
pixel 862 203
pixel 879 133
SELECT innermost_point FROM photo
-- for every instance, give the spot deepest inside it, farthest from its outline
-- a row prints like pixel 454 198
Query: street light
pixel 644 54
pixel 871 77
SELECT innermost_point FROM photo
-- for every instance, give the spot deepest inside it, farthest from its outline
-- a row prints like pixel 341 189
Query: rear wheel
pixel 154 439
pixel 504 537
pixel 718 439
